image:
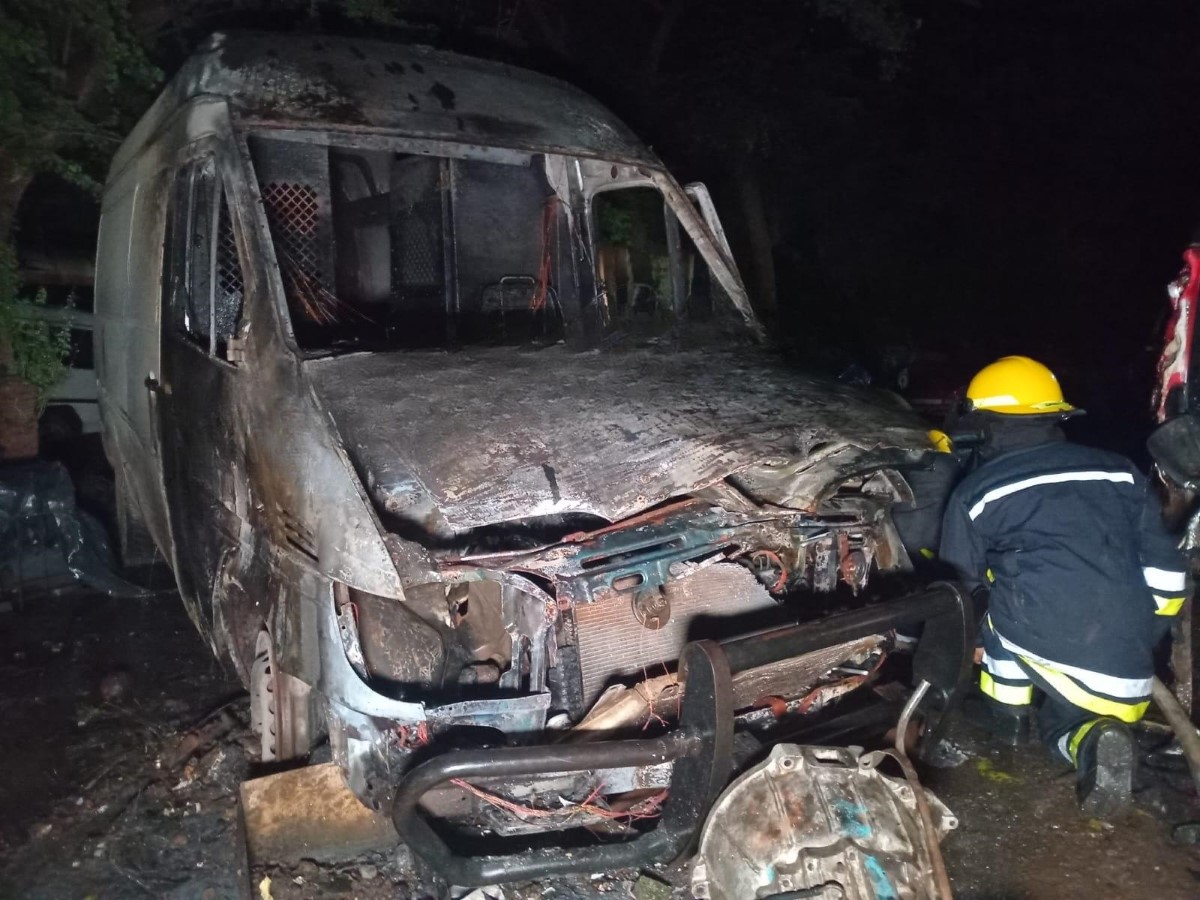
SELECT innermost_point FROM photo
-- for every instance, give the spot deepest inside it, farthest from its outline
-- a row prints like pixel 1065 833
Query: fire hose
pixel 1181 724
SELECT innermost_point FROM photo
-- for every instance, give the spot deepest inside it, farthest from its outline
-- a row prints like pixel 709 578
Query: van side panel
pixel 128 290
pixel 112 289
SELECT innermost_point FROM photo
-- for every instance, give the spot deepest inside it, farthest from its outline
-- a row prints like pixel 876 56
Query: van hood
pixel 449 441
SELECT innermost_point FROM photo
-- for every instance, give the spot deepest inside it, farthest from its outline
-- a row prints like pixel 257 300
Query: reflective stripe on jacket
pixel 1071 545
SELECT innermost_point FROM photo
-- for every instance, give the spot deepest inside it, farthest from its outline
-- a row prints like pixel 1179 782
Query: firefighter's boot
pixel 1007 724
pixel 1105 761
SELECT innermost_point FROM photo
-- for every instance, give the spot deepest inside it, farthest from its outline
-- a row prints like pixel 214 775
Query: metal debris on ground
pixel 945 754
pixel 809 818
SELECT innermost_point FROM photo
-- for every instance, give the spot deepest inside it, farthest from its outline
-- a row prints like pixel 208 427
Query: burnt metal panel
pixel 418 91
pixel 557 431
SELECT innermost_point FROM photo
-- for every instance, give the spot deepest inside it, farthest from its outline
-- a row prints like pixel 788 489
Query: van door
pixel 128 276
pixel 203 289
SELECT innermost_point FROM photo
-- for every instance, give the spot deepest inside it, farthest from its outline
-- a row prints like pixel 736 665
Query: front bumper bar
pixel 700 746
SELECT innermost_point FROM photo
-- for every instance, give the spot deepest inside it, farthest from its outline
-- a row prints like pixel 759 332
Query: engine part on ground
pixel 613 643
pixel 309 813
pixel 816 822
pixel 1181 724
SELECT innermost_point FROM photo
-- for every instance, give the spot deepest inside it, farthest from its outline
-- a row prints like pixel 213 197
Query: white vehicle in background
pixel 72 406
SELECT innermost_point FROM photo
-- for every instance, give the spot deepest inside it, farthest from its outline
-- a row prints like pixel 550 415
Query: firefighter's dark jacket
pixel 1066 538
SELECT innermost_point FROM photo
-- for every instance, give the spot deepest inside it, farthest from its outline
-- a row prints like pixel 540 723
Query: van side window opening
pixel 650 274
pixel 633 258
pixel 202 274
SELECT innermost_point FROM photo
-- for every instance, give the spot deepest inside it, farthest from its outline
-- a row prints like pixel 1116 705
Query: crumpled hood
pixel 476 437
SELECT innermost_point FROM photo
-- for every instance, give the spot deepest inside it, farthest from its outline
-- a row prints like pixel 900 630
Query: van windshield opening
pixel 379 249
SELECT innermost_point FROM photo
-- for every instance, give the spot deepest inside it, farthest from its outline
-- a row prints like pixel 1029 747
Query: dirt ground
pixel 123 742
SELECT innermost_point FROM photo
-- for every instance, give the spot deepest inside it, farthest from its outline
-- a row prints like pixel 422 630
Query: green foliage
pixel 631 218
pixel 39 350
pixel 615 224
pixel 71 74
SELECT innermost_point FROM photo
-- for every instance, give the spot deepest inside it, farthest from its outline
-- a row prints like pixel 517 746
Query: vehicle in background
pixel 447 405
pixel 73 406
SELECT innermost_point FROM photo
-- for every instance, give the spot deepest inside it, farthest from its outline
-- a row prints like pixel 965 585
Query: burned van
pixel 448 407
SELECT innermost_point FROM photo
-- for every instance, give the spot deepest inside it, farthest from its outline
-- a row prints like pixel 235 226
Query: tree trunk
pixel 18 419
pixel 14 180
pixel 761 273
pixel 18 398
pixel 666 24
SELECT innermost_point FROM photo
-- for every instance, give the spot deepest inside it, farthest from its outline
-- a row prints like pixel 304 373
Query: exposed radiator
pixel 716 602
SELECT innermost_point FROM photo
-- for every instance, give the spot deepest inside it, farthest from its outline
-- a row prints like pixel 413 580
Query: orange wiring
pixel 538 301
pixel 644 809
pixel 781 581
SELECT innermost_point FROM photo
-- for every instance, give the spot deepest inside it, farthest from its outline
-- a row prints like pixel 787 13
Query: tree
pixel 71 72
pixel 742 94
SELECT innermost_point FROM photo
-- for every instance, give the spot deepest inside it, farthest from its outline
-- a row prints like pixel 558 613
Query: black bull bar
pixel 700 745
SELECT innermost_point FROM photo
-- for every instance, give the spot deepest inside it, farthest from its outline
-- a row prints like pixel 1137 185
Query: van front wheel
pixel 281 709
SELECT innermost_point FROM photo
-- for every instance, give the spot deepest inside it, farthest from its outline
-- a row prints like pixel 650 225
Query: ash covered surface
pixel 291 79
pixel 501 434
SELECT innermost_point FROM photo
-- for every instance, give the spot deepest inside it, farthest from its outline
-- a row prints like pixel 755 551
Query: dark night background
pixel 962 178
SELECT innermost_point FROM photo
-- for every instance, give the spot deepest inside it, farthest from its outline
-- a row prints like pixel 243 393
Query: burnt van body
pixel 447 406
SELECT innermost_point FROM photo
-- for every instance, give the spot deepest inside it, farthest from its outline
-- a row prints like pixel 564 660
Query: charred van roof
pixel 294 80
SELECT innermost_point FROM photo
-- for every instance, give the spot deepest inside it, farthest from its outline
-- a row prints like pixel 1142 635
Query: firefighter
pixel 1081 580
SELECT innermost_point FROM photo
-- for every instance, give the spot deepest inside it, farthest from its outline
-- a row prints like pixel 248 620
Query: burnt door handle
pixel 154 386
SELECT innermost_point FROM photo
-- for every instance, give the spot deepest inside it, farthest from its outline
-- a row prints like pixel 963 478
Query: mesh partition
pixel 292 215
pixel 418 264
pixel 229 269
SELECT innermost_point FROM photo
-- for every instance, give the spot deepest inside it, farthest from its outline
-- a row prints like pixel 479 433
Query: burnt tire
pixel 282 713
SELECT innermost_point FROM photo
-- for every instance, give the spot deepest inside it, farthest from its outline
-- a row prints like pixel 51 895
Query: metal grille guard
pixel 700 746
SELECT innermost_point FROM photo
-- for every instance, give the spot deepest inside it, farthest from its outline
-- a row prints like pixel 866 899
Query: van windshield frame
pixel 382 243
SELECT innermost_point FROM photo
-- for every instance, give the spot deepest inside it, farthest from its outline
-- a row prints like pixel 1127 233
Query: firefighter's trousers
pixel 1070 700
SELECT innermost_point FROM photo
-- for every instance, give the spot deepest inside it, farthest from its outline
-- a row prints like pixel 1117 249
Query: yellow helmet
pixel 1017 386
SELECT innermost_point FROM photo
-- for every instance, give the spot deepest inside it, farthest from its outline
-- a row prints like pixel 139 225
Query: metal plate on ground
pixel 822 823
